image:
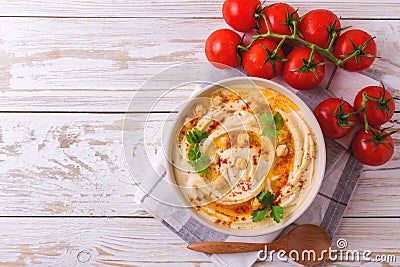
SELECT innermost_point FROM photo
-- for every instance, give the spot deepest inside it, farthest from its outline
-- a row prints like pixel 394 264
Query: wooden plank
pixel 74 164
pixel 175 8
pixel 375 197
pixel 85 241
pixel 128 242
pixel 78 65
pixel 64 165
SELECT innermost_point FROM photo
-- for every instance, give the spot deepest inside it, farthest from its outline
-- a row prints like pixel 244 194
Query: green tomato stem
pixel 348 115
pixel 310 59
pixel 278 47
pixel 325 51
pixel 365 99
pixel 332 41
pixel 363 109
pixel 321 50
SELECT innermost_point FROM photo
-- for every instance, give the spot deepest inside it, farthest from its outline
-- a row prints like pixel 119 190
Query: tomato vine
pixel 357 51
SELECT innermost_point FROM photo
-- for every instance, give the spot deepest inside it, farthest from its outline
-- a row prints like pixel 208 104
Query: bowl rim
pixel 318 174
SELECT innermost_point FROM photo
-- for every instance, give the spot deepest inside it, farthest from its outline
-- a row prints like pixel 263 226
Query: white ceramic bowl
pixel 251 83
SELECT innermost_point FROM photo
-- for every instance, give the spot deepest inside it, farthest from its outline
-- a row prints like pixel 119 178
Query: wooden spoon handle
pixel 225 247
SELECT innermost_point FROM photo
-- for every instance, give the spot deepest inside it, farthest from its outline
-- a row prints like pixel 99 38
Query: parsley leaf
pixel 202 172
pixel 278 120
pixel 196 136
pixel 276 213
pixel 266 198
pixel 197 159
pixel 266 119
pixel 192 154
pixel 200 164
pixel 267 131
pixel 258 215
pixel 267 201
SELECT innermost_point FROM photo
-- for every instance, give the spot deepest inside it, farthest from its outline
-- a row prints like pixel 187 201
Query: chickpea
pixel 246 177
pixel 216 100
pixel 216 159
pixel 199 110
pixel 225 92
pixel 242 139
pixel 240 163
pixel 229 94
pixel 282 136
pixel 188 122
pixel 281 151
pixel 255 204
pixel 225 142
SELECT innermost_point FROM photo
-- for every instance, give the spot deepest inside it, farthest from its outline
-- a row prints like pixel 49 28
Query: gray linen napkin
pixel 341 175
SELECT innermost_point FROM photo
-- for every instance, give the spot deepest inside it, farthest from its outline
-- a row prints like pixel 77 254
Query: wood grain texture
pixel 129 242
pixel 64 164
pixel 97 65
pixel 74 164
pixel 176 8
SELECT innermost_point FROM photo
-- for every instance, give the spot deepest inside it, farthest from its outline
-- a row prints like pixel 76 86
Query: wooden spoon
pixel 303 237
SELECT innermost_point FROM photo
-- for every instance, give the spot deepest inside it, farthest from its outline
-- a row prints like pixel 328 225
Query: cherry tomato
pixel 371 148
pixel 221 48
pixel 239 14
pixel 314 26
pixel 297 75
pixel 277 15
pixel 378 112
pixel 344 46
pixel 331 116
pixel 254 60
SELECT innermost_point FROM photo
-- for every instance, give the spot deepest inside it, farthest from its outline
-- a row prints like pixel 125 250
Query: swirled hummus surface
pixel 243 158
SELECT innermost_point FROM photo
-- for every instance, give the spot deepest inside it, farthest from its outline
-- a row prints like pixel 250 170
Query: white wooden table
pixel 67 73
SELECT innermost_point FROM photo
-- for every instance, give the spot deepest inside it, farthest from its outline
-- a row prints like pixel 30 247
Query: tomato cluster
pixel 310 41
pixel 313 39
pixel 373 106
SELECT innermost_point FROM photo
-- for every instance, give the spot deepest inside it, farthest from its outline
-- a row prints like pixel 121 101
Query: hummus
pixel 244 158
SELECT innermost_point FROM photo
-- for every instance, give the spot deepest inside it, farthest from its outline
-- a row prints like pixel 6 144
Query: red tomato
pixel 372 152
pixel 366 56
pixel 239 14
pixel 221 48
pixel 330 115
pixel 314 26
pixel 378 112
pixel 276 15
pixel 297 75
pixel 254 60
